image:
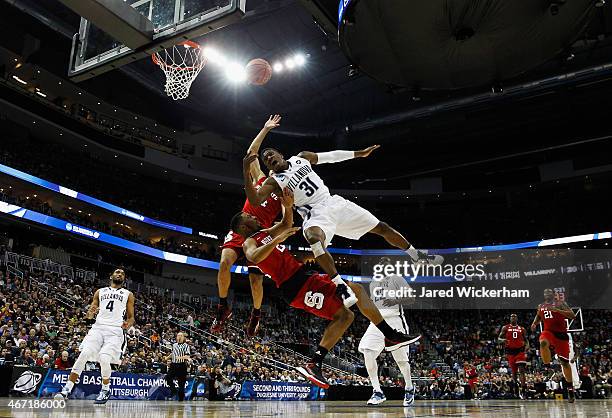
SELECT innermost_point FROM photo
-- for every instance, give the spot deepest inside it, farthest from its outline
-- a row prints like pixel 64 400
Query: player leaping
pixel 325 215
pixel 553 316
pixel 105 341
pixel 515 338
pixel 266 211
pixel 312 292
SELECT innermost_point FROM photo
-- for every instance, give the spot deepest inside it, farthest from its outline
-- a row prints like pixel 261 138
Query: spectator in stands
pixel 63 362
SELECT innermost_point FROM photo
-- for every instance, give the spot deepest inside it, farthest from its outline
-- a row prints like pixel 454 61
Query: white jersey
pixel 307 187
pixel 112 306
pixel 378 295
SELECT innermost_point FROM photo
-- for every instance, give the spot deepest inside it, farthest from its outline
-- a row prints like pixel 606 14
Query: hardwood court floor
pixel 328 409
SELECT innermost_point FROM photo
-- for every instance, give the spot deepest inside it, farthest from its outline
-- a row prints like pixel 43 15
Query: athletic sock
pixel 223 301
pixel 387 331
pixel 412 252
pixel 106 386
pixel 338 280
pixel 256 312
pixel 319 355
pixel 369 357
pixel 69 385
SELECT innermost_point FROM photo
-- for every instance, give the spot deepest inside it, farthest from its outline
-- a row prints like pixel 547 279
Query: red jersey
pixel 552 321
pixel 267 212
pixel 515 336
pixel 280 265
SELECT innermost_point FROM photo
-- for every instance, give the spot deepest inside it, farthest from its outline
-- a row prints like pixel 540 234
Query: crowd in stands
pixel 37 328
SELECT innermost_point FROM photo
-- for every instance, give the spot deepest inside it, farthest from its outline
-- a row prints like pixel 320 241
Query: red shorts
pixel 559 345
pixel 234 241
pixel 514 360
pixel 472 381
pixel 318 297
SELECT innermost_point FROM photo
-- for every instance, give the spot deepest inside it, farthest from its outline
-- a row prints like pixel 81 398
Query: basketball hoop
pixel 181 64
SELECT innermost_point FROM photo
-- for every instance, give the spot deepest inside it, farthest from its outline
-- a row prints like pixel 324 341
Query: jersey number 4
pixel 109 305
pixel 308 186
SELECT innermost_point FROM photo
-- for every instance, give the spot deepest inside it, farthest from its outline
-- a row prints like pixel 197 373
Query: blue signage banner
pixel 124 386
pixel 284 391
pixel 342 7
pixel 91 200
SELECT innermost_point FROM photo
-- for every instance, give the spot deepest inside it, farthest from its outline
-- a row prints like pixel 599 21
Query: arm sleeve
pixel 334 156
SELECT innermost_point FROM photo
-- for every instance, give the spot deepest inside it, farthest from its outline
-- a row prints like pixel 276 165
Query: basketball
pixel 259 71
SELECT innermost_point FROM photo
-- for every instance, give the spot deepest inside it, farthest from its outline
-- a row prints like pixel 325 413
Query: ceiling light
pixel 214 56
pixel 235 73
pixel 290 63
pixel 300 59
pixel 278 67
pixel 19 80
pixel 41 94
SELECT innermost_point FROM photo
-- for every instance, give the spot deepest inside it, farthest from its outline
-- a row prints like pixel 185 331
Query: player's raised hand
pixel 287 198
pixel 366 152
pixel 273 122
pixel 287 233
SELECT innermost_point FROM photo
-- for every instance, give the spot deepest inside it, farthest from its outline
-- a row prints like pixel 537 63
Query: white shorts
pixel 374 340
pixel 338 216
pixel 104 339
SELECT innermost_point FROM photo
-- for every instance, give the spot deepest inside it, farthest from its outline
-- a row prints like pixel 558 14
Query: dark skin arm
pixel 536 320
pixel 314 159
pixel 129 310
pixel 279 232
pixel 93 308
pixel 525 338
pixel 257 197
pixel 564 310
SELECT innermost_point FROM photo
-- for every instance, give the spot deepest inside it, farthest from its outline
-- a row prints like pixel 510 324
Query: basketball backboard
pixel 94 51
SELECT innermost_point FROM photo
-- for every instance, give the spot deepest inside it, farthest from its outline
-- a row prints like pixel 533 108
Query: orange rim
pixel 188 43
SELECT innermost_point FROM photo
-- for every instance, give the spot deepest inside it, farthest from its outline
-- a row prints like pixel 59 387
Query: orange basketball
pixel 259 71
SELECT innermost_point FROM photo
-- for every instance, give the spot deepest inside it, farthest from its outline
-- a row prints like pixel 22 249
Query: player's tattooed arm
pixel 564 309
pixel 93 308
pixel 257 196
pixel 502 334
pixel 255 169
pixel 257 254
pixel 129 311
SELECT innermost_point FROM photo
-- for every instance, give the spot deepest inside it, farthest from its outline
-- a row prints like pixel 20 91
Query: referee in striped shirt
pixel 178 366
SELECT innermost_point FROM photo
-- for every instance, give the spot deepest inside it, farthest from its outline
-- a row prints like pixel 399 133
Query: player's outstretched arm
pixel 255 169
pixel 335 156
pixel 256 196
pixel 129 310
pixel 95 304
pixel 525 339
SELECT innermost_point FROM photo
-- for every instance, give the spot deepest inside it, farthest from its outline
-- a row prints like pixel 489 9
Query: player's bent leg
pixel 256 280
pixel 401 358
pixel 342 319
pixel 393 339
pixel 105 372
pixel 545 351
pixel 369 358
pixel 77 369
pixel 567 373
pixel 397 240
pixel 224 279
pixel 316 238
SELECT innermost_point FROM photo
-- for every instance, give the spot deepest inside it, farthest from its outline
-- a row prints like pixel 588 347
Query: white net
pixel 181 64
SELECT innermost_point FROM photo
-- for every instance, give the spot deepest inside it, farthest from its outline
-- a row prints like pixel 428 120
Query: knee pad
pixel 105 365
pixel 317 249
